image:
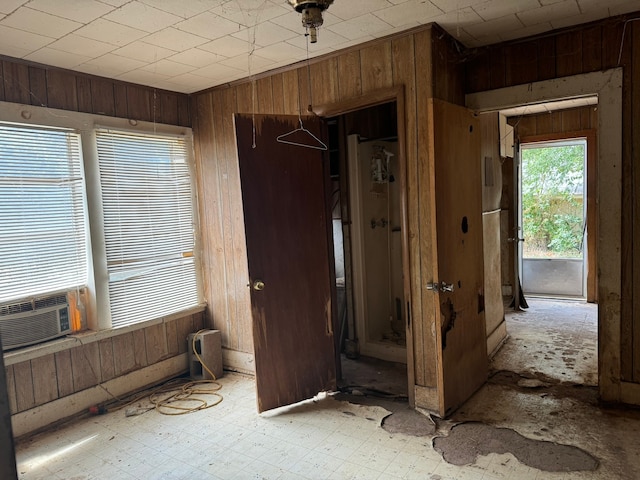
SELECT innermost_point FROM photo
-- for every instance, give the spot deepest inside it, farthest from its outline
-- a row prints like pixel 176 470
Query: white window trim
pixel 98 291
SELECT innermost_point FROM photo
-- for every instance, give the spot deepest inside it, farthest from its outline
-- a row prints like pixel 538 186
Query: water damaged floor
pixel 538 416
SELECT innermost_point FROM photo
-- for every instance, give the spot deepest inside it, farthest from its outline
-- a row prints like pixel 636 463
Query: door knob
pixel 258 285
pixel 440 287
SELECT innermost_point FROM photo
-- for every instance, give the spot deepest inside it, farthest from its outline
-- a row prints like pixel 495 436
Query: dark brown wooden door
pixel 285 193
pixel 459 316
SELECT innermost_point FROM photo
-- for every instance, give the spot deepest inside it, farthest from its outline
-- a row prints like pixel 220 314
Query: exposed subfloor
pixel 528 411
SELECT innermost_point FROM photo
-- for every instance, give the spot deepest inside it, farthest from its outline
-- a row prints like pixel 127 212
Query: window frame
pixel 98 316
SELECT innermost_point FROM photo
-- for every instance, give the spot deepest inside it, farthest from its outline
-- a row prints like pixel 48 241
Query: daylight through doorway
pixel 553 213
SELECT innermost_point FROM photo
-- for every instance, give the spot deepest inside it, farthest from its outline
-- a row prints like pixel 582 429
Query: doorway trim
pixel 371 99
pixel 607 85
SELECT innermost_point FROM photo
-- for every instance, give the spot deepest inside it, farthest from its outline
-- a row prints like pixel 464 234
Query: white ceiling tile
pixel 83 11
pixel 449 6
pixel 491 27
pixel 394 30
pixel 252 64
pixel 110 32
pixel 326 39
pixel 526 32
pixel 251 12
pixel 196 57
pixel 173 87
pixel 588 5
pixel 40 23
pixel 144 52
pixel 8 6
pixel 358 27
pixel 19 43
pixel 348 10
pixel 227 46
pixel 115 3
pixel 211 36
pixel 458 19
pixel 143 17
pixel 265 34
pixel 88 47
pixel 113 64
pixel 348 44
pixel 168 68
pixel 281 51
pixel 484 40
pixel 587 17
pixel 175 39
pixel 500 8
pixel 190 82
pixel 293 21
pixel 410 12
pixel 209 26
pixel 57 58
pixel 142 77
pixel 556 11
pixel 622 6
pixel 218 70
pixel 185 8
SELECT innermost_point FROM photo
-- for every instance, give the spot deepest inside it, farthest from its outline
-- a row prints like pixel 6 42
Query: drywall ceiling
pixel 190 45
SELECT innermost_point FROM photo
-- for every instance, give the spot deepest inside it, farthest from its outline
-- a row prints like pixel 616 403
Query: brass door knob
pixel 258 285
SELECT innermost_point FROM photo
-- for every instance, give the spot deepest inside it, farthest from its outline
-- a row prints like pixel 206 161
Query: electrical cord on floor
pixel 172 397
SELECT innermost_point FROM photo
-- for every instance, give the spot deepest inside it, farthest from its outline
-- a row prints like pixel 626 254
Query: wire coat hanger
pixel 319 145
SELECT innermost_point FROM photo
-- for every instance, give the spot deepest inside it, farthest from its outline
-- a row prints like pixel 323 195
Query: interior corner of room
pixel 393 257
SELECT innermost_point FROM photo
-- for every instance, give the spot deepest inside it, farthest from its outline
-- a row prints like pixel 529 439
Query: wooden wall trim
pixel 376 97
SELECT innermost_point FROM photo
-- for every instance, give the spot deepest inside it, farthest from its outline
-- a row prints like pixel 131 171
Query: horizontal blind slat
pixel 42 213
pixel 149 225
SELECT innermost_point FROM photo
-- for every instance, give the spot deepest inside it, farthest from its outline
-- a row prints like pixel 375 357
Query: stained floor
pixel 330 438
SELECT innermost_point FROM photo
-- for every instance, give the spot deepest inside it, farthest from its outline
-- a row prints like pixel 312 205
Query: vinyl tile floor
pixel 325 438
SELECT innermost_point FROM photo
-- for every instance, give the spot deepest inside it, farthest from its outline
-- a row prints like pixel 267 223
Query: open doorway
pixel 367 227
pixel 556 337
pixel 553 216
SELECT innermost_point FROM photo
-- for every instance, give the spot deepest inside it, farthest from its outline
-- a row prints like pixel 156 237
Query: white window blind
pixel 148 223
pixel 42 213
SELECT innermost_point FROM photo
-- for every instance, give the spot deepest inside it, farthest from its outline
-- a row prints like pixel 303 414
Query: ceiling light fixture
pixel 311 11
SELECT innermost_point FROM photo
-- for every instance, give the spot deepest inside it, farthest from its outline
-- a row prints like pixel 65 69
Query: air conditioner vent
pixel 51 301
pixel 16 308
pixel 21 324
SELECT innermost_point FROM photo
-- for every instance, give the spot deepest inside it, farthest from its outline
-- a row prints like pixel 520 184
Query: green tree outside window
pixel 553 201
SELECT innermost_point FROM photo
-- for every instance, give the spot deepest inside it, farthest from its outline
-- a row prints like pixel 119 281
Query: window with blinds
pixel 43 235
pixel 148 209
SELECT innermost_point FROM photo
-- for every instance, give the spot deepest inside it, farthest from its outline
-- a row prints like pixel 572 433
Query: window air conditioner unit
pixel 34 321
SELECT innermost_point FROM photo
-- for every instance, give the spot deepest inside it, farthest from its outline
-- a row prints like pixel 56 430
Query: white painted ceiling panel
pixel 189 45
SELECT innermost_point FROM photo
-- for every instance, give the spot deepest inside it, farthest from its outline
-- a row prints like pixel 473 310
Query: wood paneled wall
pixel 41 380
pixel 404 60
pixel 578 50
pixel 43 86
